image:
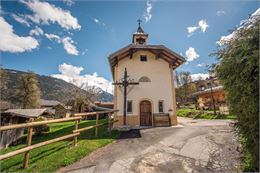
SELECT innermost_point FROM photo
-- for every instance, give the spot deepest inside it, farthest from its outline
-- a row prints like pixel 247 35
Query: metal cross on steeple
pixel 125 83
pixel 139 22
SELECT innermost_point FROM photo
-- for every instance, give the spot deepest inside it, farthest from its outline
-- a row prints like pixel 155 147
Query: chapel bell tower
pixel 140 37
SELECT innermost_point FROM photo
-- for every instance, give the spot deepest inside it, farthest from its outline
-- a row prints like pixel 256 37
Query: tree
pixel 81 103
pixel 177 78
pixel 186 79
pixel 186 87
pixel 238 70
pixel 3 80
pixel 29 91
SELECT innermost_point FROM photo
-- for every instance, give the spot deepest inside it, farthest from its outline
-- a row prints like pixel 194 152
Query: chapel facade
pixel 152 102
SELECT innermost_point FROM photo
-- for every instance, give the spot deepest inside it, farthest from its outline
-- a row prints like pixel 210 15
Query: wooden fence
pixel 74 135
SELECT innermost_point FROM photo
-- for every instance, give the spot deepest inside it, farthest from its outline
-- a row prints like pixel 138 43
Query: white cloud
pixel 11 42
pixel 243 23
pixel 21 19
pixel 53 37
pixel 198 76
pixel 69 46
pixel 71 74
pixel 201 65
pixel 148 12
pixel 192 29
pixel 70 70
pixel 98 22
pixel 191 54
pixel 68 43
pixel 84 52
pixel 69 2
pixel 202 25
pixel 256 13
pixel 46 13
pixel 225 39
pixel 36 31
pixel 220 13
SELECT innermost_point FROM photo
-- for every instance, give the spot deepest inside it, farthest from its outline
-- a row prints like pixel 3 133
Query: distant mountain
pixel 51 88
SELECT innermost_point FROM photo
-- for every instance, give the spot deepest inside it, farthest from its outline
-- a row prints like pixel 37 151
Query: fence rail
pixel 74 135
pixel 92 113
pixel 28 148
pixel 38 123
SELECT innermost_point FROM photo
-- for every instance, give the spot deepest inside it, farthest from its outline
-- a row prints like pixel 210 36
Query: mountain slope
pixel 51 88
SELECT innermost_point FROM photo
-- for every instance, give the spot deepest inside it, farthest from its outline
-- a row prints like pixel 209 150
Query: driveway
pixel 192 146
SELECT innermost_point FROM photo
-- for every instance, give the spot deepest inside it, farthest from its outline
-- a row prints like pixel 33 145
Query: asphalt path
pixel 192 146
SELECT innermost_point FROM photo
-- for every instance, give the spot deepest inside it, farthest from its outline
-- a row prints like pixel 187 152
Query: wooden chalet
pixel 17 116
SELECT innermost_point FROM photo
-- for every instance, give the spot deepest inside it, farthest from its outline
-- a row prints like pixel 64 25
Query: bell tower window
pixel 140 40
pixel 143 58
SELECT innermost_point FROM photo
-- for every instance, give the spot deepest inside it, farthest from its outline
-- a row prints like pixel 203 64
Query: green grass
pixel 205 114
pixel 51 157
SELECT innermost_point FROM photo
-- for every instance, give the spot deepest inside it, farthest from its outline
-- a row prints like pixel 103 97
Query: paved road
pixel 192 146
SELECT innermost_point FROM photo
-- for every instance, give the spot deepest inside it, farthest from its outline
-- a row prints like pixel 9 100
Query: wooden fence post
pixel 109 123
pixel 96 129
pixel 76 137
pixel 29 142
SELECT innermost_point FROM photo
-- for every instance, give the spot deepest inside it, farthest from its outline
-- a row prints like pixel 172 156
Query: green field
pixel 202 114
pixel 51 157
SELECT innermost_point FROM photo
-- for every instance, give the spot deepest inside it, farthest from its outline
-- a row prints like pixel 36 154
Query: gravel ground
pixel 192 146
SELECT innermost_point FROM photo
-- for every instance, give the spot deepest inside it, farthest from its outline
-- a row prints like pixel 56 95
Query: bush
pixel 238 70
pixel 42 128
pixel 200 114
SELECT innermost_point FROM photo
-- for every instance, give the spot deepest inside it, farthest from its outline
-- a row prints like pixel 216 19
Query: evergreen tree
pixel 29 91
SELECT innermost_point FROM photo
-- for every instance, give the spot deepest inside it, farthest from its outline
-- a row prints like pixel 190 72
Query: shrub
pixel 238 70
pixel 42 128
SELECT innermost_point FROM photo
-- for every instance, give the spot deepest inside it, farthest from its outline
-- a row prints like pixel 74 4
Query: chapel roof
pixel 160 51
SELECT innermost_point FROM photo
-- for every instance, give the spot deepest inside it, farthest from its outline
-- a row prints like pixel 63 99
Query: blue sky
pixel 92 30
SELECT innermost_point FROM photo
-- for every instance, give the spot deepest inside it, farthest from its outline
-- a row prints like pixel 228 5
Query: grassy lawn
pixel 51 157
pixel 205 114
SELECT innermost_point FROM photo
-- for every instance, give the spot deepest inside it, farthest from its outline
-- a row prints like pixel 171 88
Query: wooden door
pixel 145 113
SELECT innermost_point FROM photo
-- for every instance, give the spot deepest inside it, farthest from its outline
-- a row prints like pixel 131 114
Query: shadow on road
pixel 134 133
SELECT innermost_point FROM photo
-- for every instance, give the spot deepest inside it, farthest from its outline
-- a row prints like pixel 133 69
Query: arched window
pixel 144 79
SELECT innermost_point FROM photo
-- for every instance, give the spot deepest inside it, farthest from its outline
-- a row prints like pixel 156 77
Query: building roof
pixel 109 105
pixel 49 102
pixel 159 50
pixel 103 103
pixel 98 109
pixel 27 113
pixel 208 90
pixel 140 29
